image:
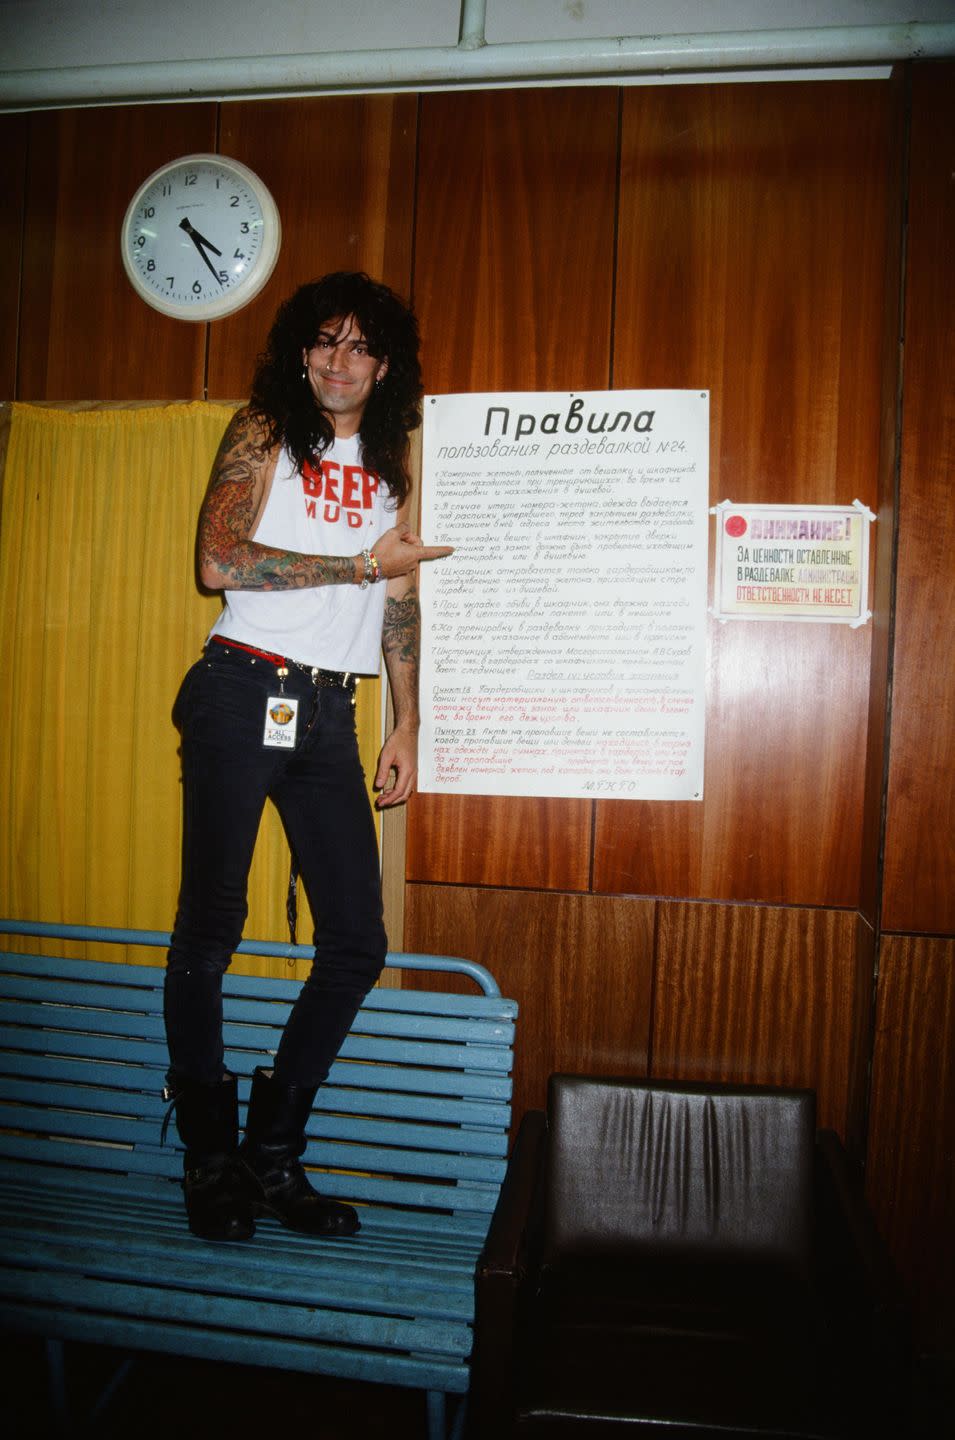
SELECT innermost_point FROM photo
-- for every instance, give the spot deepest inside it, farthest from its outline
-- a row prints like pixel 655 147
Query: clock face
pixel 200 237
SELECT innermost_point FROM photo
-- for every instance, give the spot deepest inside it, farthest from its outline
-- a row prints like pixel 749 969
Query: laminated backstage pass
pixel 281 722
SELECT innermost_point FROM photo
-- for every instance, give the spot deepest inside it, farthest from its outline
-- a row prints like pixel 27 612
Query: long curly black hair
pixel 283 401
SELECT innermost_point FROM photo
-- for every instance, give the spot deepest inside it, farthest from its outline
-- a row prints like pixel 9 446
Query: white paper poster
pixel 563 644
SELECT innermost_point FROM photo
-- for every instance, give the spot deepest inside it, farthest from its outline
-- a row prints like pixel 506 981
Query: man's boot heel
pixel 276 1183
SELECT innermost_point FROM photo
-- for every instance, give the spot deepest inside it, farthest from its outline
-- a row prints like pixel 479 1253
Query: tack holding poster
pixel 563 644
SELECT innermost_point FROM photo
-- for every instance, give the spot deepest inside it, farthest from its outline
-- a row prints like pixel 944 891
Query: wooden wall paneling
pixel 13 152
pixel 515 231
pixel 784 809
pixel 884 536
pixel 84 333
pixel 341 170
pixel 757 995
pixel 859 1052
pixel 910 1172
pixel 919 893
pixel 513 287
pixel 751 262
pixel 487 840
pixel 579 965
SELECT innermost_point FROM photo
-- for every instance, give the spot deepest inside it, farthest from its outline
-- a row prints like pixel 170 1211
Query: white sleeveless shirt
pixel 335 508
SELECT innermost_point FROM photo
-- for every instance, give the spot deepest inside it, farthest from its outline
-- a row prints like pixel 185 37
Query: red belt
pixel 343 679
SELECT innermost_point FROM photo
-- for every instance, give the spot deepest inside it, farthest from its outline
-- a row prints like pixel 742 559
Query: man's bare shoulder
pixel 245 451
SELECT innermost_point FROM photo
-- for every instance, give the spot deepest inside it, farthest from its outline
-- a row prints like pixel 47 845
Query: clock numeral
pixel 239 255
pixel 167 189
pixel 197 288
pixel 223 277
pixel 171 281
pixel 244 228
pixel 190 178
pixel 233 202
pixel 140 241
pixel 150 266
pixel 149 212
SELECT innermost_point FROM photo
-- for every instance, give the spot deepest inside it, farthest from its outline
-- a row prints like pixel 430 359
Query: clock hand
pixel 201 243
pixel 195 236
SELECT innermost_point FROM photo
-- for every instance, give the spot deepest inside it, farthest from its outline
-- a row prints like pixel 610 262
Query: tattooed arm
pixel 238 489
pixel 401 644
pixel 228 559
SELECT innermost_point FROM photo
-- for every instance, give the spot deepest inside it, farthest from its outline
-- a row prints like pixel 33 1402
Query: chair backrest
pixel 667 1170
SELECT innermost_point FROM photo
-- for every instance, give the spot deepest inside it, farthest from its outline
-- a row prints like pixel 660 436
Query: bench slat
pixel 52 1018
pixel 138 1132
pixel 15 1038
pixel 263 1039
pixel 129 1333
pixel 151 977
pixel 411 1126
pixel 380 1282
pixel 420 1163
pixel 393 1021
pixel 408 1266
pixel 89 1253
pixel 34 1099
pixel 68 1186
pixel 145 977
pixel 152 1055
pixel 143 1086
pixel 150 1300
pixel 353 1187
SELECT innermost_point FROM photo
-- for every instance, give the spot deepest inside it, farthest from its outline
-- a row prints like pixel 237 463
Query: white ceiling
pixel 102 52
pixel 53 34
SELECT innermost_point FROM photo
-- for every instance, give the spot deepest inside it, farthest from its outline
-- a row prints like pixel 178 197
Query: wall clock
pixel 201 237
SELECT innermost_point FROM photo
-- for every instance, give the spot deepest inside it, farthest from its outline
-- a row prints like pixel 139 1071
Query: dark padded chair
pixel 684 1261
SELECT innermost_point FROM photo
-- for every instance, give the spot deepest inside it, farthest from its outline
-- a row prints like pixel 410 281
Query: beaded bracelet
pixel 372 569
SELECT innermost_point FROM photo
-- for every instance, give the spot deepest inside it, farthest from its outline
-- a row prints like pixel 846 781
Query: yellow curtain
pixel 100 617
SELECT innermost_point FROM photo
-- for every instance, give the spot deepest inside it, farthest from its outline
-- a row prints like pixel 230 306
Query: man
pixel 303 529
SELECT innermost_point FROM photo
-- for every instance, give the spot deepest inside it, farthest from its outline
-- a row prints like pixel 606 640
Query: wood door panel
pixel 484 840
pixel 910 1171
pixel 87 335
pixel 919 893
pixel 579 966
pixel 514 239
pixel 644 847
pixel 758 995
pixel 341 170
pixel 769 827
pixel 752 262
pixel 513 287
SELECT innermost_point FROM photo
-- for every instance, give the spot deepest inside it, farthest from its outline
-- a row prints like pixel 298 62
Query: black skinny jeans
pixel 319 791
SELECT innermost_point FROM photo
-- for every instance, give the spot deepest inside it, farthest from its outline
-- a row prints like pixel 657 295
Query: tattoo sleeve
pixel 401 646
pixel 228 559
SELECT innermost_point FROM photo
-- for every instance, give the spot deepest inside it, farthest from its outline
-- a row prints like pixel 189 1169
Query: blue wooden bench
pixel 411 1126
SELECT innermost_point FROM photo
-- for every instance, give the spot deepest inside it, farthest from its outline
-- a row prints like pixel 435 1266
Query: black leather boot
pixel 207 1118
pixel 276 1182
